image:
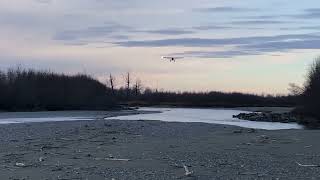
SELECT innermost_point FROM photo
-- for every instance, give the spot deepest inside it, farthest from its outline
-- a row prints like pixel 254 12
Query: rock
pixel 18 164
pixel 107 125
pixel 263 139
pixel 57 168
pixel 41 159
pixel 267 117
pixel 237 131
pixel 252 130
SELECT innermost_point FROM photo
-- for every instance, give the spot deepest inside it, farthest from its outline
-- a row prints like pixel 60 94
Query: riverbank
pixel 278 114
pixel 106 149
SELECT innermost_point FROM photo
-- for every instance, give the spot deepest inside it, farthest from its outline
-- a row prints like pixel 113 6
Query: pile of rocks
pixel 267 117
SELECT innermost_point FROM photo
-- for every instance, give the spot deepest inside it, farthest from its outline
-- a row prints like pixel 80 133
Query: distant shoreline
pixel 120 108
pixel 124 111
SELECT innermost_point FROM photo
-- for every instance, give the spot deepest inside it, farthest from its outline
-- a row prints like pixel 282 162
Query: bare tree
pixel 311 95
pixel 128 81
pixel 112 80
pixel 137 87
pixel 295 89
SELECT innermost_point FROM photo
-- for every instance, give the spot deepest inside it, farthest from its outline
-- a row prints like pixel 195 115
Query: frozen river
pixel 215 116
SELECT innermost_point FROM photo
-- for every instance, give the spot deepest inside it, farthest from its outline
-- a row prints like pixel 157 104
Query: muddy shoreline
pixel 112 149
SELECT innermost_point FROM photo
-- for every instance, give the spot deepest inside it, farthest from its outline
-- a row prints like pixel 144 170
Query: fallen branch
pixel 308 165
pixel 115 159
pixel 65 139
pixel 23 165
pixel 248 173
pixel 112 159
pixel 187 172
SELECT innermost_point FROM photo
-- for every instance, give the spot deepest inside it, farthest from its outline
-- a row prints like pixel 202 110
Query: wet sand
pixel 112 149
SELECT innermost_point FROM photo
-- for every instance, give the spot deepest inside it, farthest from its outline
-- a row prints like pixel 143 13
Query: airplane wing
pixel 168 57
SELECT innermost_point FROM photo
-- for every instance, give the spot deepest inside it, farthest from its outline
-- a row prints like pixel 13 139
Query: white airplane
pixel 171 59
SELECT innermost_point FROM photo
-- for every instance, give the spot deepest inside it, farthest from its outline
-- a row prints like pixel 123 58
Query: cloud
pixel 44 1
pixel 309 27
pixel 257 49
pixel 259 17
pixel 90 33
pixel 167 31
pixel 242 46
pixel 124 32
pixel 285 45
pixel 301 28
pixel 117 37
pixel 258 22
pixel 211 27
pixel 224 9
pixel 215 54
pixel 310 13
pixel 21 19
pixel 109 31
pixel 208 42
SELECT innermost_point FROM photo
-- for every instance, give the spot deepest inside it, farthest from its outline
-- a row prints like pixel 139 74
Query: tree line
pixel 133 93
pixel 33 90
pixel 30 90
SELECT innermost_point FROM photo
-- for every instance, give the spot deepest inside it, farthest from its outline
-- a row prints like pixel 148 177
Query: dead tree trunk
pixel 137 87
pixel 128 81
pixel 111 82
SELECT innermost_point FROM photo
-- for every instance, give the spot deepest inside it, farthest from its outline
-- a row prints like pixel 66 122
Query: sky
pixel 252 46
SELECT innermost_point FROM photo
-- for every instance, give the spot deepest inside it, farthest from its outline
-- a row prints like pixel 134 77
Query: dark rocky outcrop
pixel 267 117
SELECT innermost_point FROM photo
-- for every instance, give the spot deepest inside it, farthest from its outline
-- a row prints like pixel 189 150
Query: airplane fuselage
pixel 171 59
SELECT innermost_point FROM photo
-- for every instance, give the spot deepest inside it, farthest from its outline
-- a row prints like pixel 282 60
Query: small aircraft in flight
pixel 171 58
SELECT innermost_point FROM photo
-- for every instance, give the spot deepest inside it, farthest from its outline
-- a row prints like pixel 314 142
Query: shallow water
pixel 47 116
pixel 41 119
pixel 216 116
